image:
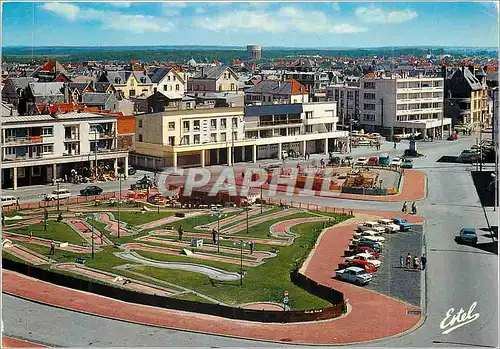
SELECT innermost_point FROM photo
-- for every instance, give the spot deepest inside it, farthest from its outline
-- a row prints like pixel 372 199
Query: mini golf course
pixel 152 256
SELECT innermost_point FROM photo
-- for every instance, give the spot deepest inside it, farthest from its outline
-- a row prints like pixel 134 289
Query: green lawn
pixel 139 217
pixel 191 297
pixel 55 230
pixel 264 283
pixel 189 224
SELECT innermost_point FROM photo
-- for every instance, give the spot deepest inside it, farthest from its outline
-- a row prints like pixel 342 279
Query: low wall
pixel 365 191
pixel 192 306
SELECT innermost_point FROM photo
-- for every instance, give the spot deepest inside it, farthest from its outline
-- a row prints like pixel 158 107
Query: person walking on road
pixel 414 208
pixel 423 261
pixel 180 232
pixel 52 250
pixel 251 247
pixel 401 261
pixel 405 207
pixel 31 234
pixel 408 260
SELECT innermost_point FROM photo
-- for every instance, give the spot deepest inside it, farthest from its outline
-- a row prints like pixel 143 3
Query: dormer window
pixel 118 80
pixel 143 80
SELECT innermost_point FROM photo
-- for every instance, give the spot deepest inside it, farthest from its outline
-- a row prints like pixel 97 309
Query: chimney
pixel 472 69
pixel 443 72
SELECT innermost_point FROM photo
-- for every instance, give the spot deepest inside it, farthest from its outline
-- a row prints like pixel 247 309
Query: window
pixel 436 105
pixel 235 122
pixel 48 131
pixel 185 140
pixel 168 78
pixel 177 87
pixel 437 84
pixel 235 135
pixel 369 85
pixel 213 124
pixel 368 117
pixel 369 96
pixel 165 87
pixel 196 125
pixel 140 138
pixel 154 90
pixel 21 173
pixel 369 106
pixel 171 140
pixel 140 123
pixel 222 124
pixel 36 171
pixel 341 94
pixel 170 87
pixel 196 139
pixel 213 137
pixel 47 149
pixel 143 80
pixel 232 87
pixel 132 93
pixel 185 126
pixel 222 137
pixel 171 126
pixel 132 82
pixel 350 95
pixel 175 78
pixel 309 114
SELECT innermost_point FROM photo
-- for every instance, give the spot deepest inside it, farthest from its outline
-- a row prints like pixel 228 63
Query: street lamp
pixel 119 200
pixel 57 183
pixel 218 230
pixel 247 214
pixel 241 243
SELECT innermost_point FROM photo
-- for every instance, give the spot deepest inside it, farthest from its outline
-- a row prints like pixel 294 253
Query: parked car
pixel 58 195
pixel 361 161
pixel 334 160
pixel 355 275
pixel 407 163
pixel 91 190
pixel 365 249
pixel 369 243
pixel 396 162
pixel 367 226
pixel 452 137
pixel 369 267
pixel 389 225
pixel 372 236
pixel 373 161
pixel 383 160
pixel 143 183
pixel 467 236
pixel 8 201
pixel 364 257
pixel 403 224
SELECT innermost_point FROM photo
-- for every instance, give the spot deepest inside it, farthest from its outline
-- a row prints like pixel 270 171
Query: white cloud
pixel 335 6
pixel 67 11
pixel 285 19
pixel 121 4
pixel 199 10
pixel 111 19
pixel 377 15
pixel 172 9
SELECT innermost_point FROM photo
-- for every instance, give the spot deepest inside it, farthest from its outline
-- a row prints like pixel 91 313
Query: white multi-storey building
pixel 397 105
pixel 347 98
pixel 200 137
pixel 39 148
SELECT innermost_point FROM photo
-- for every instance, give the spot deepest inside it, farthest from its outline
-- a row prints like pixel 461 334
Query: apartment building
pixel 395 105
pixel 466 94
pixel 276 92
pixel 201 137
pixel 190 138
pixel 347 98
pixel 38 148
pixel 308 127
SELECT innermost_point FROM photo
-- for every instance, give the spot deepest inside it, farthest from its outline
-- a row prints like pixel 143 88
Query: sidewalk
pixel 9 342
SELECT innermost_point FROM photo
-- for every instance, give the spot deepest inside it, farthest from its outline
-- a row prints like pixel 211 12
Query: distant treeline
pixel 200 54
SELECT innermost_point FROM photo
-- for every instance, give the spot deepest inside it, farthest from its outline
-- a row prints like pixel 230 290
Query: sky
pixel 288 24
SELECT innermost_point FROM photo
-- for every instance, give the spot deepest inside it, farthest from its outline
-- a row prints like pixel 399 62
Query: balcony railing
pixel 24 140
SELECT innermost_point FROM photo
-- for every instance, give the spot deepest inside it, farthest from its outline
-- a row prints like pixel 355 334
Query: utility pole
pixel 247 215
pixel 57 196
pixel 119 200
pixel 218 230
pixel 241 262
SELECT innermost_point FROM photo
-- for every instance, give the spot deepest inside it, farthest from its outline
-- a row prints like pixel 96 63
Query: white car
pixel 361 161
pixel 375 238
pixel 389 225
pixel 367 226
pixel 8 201
pixel 355 275
pixel 377 231
pixel 396 162
pixel 58 195
pixel 365 257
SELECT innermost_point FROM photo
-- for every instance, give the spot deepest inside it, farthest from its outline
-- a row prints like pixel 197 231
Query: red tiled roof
pixel 297 87
pixel 48 66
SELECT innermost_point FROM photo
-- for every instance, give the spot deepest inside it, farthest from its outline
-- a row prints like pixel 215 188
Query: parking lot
pixel 391 279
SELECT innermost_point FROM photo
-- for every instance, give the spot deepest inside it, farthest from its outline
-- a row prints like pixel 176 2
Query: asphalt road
pixel 456 276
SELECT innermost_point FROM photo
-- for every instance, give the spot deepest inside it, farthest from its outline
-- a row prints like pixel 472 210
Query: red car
pixel 367 266
pixel 453 137
pixel 367 249
pixel 373 161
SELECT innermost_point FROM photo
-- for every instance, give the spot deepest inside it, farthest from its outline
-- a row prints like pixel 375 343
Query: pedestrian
pixel 394 144
pixel 52 248
pixel 322 162
pixel 401 261
pixel 3 219
pixel 180 232
pixel 214 236
pixel 414 208
pixel 31 234
pixel 251 247
pixel 423 261
pixel 405 207
pixel 17 203
pixel 408 260
pixel 416 263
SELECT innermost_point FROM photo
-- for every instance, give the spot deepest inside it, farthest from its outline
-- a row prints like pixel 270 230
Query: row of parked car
pixel 384 161
pixel 366 248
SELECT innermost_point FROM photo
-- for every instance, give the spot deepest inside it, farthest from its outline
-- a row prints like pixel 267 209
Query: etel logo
pixel 452 322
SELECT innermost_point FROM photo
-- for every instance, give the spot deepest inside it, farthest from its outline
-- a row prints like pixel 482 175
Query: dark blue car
pixel 403 224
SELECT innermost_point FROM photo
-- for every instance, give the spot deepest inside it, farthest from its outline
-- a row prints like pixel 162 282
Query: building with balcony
pixel 39 148
pixel 347 98
pixel 393 105
pixel 201 137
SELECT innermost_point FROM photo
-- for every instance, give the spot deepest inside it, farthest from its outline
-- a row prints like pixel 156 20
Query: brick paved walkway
pixel 9 342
